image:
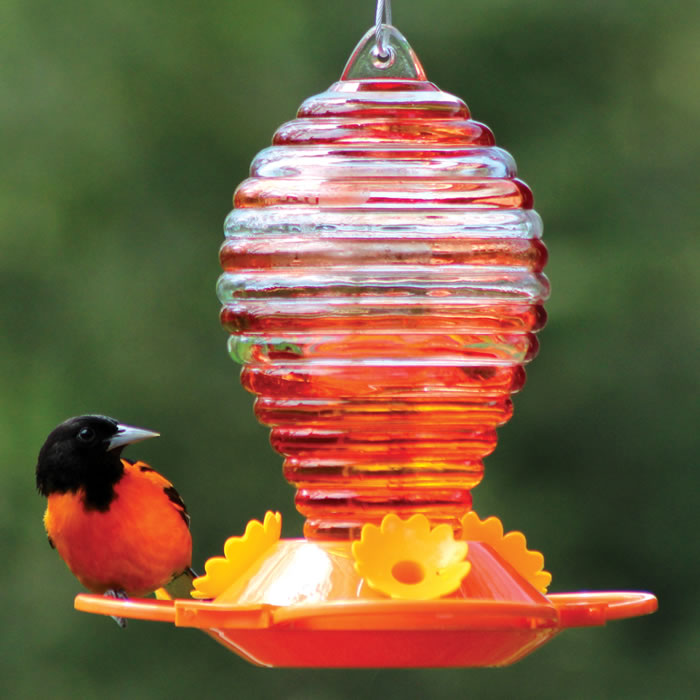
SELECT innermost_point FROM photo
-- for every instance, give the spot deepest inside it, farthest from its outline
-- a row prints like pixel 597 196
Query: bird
pixel 121 527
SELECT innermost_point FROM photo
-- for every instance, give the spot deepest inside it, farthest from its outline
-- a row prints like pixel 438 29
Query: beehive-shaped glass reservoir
pixel 382 287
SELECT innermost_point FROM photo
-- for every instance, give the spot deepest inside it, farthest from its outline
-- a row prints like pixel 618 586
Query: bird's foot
pixel 119 594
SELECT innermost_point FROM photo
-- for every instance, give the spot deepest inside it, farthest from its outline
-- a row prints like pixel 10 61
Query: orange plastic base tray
pixel 389 633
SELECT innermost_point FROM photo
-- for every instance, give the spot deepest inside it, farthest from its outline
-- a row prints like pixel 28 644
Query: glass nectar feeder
pixel 382 287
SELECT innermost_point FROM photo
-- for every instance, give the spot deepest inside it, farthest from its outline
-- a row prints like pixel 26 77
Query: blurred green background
pixel 124 128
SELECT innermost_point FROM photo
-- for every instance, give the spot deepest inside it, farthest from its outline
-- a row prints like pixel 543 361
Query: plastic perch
pixel 382 287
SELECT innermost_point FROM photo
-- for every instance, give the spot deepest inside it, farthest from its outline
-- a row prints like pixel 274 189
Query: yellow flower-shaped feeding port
pixel 240 553
pixel 512 547
pixel 405 559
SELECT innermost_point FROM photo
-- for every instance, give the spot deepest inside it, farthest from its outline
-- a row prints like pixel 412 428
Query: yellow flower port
pixel 406 559
pixel 240 554
pixel 512 547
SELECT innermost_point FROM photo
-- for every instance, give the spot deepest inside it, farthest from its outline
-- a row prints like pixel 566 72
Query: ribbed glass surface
pixel 382 286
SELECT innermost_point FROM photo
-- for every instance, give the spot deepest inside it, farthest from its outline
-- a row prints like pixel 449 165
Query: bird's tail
pixel 179 587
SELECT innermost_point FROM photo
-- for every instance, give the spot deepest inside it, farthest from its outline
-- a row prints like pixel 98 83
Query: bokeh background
pixel 124 128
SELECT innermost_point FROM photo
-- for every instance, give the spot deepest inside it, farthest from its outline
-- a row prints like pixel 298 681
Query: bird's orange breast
pixel 137 545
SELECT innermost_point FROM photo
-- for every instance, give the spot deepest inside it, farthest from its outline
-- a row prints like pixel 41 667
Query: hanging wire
pixel 381 19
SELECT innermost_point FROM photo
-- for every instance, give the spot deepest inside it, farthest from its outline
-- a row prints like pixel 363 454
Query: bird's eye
pixel 86 435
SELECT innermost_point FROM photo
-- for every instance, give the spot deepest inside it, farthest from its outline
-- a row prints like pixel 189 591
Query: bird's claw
pixel 119 595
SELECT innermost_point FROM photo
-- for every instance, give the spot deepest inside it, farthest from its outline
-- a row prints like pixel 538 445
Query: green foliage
pixel 124 128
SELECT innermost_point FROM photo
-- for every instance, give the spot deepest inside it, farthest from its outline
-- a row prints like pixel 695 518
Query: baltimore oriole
pixel 121 527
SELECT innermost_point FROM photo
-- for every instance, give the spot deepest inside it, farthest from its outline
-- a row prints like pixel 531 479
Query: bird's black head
pixel 84 452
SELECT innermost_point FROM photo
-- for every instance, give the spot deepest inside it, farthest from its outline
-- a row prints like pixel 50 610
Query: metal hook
pixel 381 19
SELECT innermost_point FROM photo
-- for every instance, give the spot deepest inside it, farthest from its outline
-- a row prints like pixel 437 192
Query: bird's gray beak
pixel 126 434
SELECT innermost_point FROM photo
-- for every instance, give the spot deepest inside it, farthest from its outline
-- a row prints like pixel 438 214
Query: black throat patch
pixel 99 495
